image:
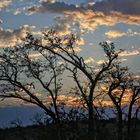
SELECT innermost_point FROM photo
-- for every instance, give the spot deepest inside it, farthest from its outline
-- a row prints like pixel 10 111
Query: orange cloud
pixel 89 60
pixel 70 101
pixel 100 62
pixel 80 41
pixel 4 3
pixel 90 20
pixel 114 34
pixel 129 53
pixel 35 55
pixel 9 37
pixel 90 15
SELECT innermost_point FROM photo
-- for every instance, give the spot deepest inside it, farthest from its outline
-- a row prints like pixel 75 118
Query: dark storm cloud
pixel 123 6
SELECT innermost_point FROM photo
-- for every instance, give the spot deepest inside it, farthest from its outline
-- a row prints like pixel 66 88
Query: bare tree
pixel 115 84
pixel 64 48
pixel 22 76
pixel 123 91
pixel 134 86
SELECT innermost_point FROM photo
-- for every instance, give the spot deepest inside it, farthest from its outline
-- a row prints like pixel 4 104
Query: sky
pixel 94 21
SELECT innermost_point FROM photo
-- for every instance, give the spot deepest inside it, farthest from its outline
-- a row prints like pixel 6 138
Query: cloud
pixel 89 60
pixel 117 34
pixel 4 3
pixel 90 20
pixel 18 11
pixel 130 7
pixel 9 37
pixel 87 16
pixel 53 7
pixel 80 41
pixel 123 59
pixel 125 53
pixel 100 62
pixel 130 32
pixel 62 26
pixel 114 34
pixel 35 55
pixel 136 76
pixel 129 53
pixel 106 6
pixel 32 10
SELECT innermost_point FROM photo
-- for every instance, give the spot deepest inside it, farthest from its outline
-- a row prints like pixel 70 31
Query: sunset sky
pixel 93 21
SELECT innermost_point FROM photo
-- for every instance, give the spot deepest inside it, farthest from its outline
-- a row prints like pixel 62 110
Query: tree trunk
pixel 120 126
pixel 91 127
pixel 129 122
pixel 57 113
pixel 129 118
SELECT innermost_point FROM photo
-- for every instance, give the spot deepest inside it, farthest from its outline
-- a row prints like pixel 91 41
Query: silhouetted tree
pixel 22 76
pixel 64 48
pixel 134 86
pixel 115 84
pixel 123 91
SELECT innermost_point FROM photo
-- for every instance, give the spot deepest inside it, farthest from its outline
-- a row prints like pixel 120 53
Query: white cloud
pixel 18 11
